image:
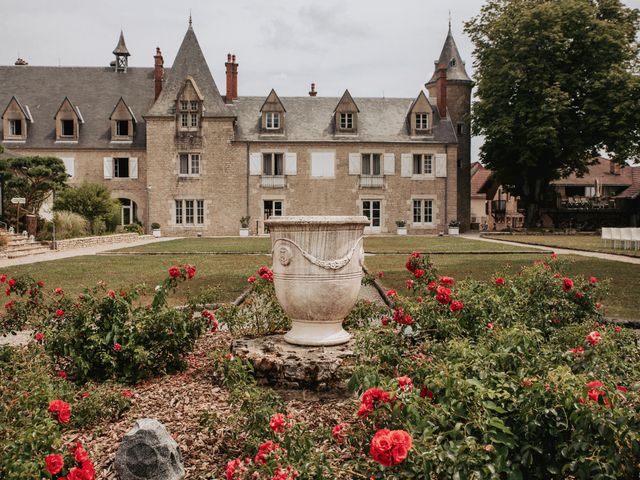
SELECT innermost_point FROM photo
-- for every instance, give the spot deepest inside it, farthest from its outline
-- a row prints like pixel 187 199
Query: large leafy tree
pixel 91 200
pixel 557 83
pixel 33 178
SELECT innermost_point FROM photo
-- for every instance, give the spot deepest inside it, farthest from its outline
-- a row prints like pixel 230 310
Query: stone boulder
pixel 147 451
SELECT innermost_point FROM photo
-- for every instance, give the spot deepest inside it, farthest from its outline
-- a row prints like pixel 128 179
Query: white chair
pixel 635 238
pixel 606 235
pixel 625 237
pixel 615 237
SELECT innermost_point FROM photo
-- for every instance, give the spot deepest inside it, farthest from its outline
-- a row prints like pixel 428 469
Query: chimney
pixel 312 92
pixel 441 89
pixel 158 71
pixel 232 78
pixel 614 168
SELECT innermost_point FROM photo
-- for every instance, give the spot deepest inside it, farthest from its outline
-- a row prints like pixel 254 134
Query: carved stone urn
pixel 317 270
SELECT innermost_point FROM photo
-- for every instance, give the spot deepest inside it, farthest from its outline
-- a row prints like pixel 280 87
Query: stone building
pixel 176 151
pixel 493 208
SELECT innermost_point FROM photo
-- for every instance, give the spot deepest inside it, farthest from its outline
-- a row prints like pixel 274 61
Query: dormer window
pixel 272 120
pixel 122 128
pixel 68 119
pixel 422 121
pixel 189 107
pixel 420 117
pixel 67 128
pixel 346 121
pixel 15 120
pixel 15 128
pixel 122 122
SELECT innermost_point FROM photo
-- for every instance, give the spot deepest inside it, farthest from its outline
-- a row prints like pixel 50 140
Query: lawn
pixel 579 242
pixel 623 300
pixel 373 244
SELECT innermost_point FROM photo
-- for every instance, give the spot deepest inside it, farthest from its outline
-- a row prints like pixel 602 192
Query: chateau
pixel 177 152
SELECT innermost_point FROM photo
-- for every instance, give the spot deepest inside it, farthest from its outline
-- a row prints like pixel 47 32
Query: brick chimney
pixel 614 168
pixel 232 78
pixel 158 71
pixel 441 89
pixel 312 92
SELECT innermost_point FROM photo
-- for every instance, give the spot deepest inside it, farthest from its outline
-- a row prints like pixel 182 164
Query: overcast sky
pixel 373 48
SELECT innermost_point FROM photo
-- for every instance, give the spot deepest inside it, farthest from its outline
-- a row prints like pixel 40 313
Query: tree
pixel 557 84
pixel 33 178
pixel 91 200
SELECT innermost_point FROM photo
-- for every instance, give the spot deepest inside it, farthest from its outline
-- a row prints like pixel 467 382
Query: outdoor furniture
pixel 606 235
pixel 616 236
pixel 635 238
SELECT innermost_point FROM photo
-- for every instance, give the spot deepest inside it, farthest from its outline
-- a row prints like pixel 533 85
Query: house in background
pixel 492 208
pixel 606 196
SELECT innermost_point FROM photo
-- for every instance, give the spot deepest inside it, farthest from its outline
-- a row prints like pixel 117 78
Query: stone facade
pixel 194 160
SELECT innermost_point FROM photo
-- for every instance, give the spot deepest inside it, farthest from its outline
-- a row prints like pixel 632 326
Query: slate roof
pixel 95 91
pixel 190 62
pixel 311 119
pixel 600 171
pixel 450 56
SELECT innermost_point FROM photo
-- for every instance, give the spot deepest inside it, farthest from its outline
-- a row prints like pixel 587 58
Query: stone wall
pixel 84 242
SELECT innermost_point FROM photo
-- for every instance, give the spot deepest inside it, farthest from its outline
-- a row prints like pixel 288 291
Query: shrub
pixel 102 335
pixel 91 200
pixel 70 225
pixel 134 228
pixel 155 225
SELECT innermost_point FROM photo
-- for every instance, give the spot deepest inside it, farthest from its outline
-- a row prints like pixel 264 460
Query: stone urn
pixel 317 270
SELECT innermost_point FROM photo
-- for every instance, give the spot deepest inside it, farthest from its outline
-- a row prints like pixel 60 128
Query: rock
pixel 148 451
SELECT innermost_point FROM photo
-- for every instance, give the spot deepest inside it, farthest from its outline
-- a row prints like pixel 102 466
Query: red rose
pixel 8 292
pixel 337 432
pixel 232 466
pixel 617 328
pixel 11 283
pixel 277 423
pixel 251 279
pixel 40 283
pixel 500 281
pixel 54 463
pixel 567 284
pixel 380 274
pixel 369 398
pixel 384 320
pixel 61 409
pixel 579 295
pixel 3 278
pixel 594 338
pixel 419 273
pixel 554 256
pixel 265 273
pixel 447 281
pixel 174 272
pixel 556 275
pixel 265 449
pixel 127 393
pixel 409 284
pixel 443 295
pixel 392 293
pixel 405 383
pixel 80 454
pixel 191 271
pixel 61 374
pixel 426 393
pixel 595 384
pixel 415 254
pixel 59 312
pixel 111 294
pixel 39 336
pixel 58 291
pixel 578 350
pixel 431 286
pixel 621 389
pixel 490 326
pixel 409 266
pixel 593 280
pixel 598 306
pixel 390 447
pixel 419 299
pixel 117 347
pixel 456 305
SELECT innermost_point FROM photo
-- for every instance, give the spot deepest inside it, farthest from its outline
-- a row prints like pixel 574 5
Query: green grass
pixel 623 300
pixel 581 242
pixel 373 244
pixel 226 274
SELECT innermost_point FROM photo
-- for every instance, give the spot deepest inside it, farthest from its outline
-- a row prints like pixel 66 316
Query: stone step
pixel 26 247
pixel 27 253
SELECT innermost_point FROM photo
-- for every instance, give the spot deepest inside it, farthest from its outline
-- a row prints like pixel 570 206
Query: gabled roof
pixel 95 90
pixel 479 177
pixel 310 119
pixel 420 96
pixel 347 99
pixel 600 171
pixel 121 48
pixel 24 109
pixel 75 109
pixel 450 56
pixel 121 101
pixel 272 98
pixel 190 62
pixel 634 190
pixel 190 81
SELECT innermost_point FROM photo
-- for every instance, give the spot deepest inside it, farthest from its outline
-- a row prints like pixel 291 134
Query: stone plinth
pixel 280 363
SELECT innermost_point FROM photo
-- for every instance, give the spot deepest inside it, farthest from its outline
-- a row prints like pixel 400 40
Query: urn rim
pixel 318 220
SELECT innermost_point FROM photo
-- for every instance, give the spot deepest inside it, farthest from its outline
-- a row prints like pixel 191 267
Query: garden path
pixel 560 251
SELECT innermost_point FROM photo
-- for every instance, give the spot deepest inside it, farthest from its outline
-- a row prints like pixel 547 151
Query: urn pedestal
pixel 317 270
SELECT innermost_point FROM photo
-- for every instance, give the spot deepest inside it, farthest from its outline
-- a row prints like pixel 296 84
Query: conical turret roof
pixel 450 56
pixel 121 48
pixel 190 63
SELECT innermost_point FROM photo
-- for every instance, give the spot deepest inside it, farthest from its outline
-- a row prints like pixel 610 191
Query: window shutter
pixel 69 166
pixel 406 165
pixel 291 163
pixel 441 164
pixel 133 167
pixel 389 164
pixel 255 164
pixel 108 167
pixel 354 163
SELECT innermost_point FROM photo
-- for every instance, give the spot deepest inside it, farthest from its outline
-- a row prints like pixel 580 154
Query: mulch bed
pixel 178 401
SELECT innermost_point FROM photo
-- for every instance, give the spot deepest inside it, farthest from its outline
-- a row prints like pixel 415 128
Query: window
pixel 15 128
pixel 273 120
pixel 67 128
pixel 189 212
pixel 323 164
pixel 422 121
pixel 193 105
pixel 422 164
pixel 371 210
pixel 272 164
pixel 194 119
pixel 461 129
pixel 423 212
pixel 184 105
pixel 371 164
pixel 346 121
pixel 189 164
pixel 184 120
pixel 121 167
pixel 122 128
